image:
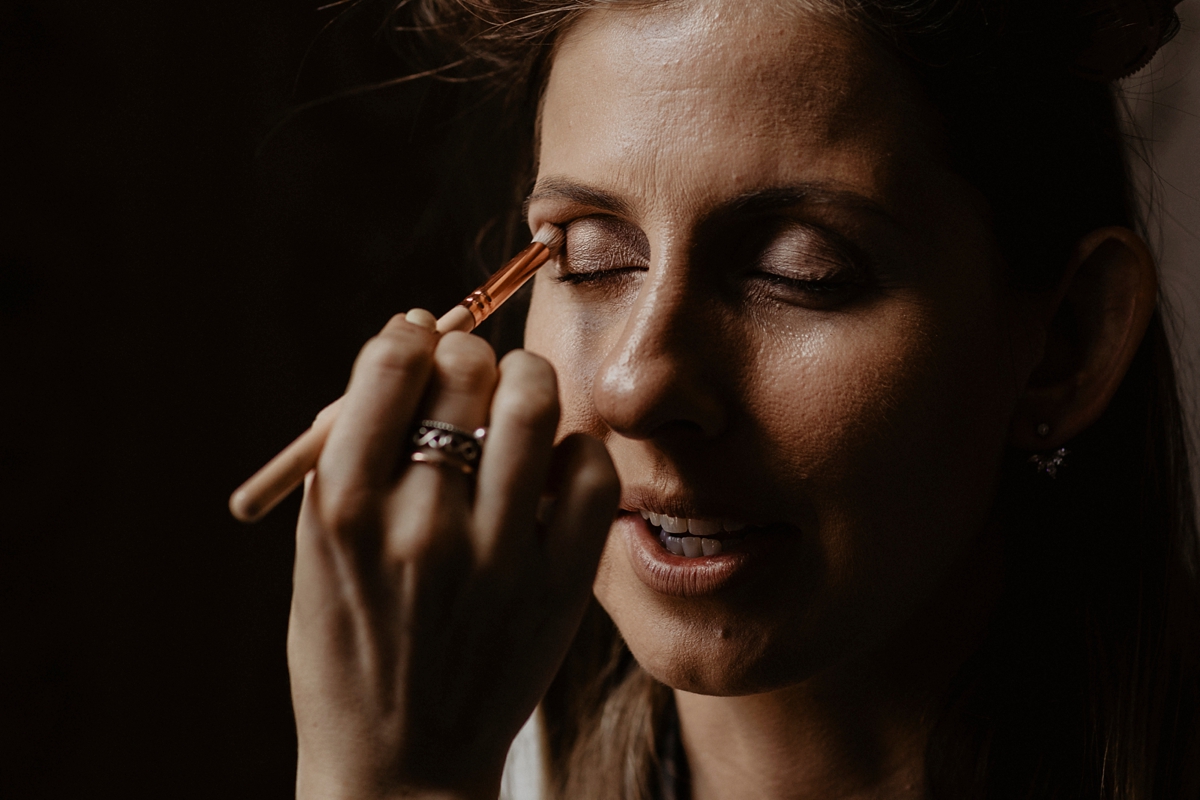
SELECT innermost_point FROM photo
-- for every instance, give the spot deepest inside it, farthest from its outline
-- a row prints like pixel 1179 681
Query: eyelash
pixel 577 278
pixel 816 286
pixel 830 291
pixel 849 264
pixel 849 272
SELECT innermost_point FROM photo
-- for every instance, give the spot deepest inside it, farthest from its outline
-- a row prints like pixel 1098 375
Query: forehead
pixel 713 96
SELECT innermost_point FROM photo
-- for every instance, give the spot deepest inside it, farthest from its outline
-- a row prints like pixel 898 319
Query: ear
pixel 1096 323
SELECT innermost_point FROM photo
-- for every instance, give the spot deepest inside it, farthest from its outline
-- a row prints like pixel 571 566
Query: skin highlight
pixel 719 395
pixel 776 304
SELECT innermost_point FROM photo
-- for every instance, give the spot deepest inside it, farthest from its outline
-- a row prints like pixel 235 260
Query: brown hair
pixel 1089 682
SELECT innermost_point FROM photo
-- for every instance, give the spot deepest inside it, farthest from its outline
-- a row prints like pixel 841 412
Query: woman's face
pixel 780 310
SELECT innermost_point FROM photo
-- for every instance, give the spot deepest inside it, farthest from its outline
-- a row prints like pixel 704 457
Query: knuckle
pixel 409 545
pixel 526 404
pixel 421 541
pixel 465 362
pixel 394 352
pixel 530 368
pixel 346 511
pixel 424 539
pixel 528 391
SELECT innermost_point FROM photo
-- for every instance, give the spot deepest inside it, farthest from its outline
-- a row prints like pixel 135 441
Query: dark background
pixel 186 272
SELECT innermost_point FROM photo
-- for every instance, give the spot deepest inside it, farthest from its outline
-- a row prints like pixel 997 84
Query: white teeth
pixel 674 524
pixel 694 546
pixel 696 527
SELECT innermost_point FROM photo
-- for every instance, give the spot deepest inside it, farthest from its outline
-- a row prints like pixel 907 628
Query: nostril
pixel 680 427
pixel 660 378
pixel 663 402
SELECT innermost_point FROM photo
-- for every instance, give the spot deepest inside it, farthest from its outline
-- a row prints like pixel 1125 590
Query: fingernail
pixel 419 316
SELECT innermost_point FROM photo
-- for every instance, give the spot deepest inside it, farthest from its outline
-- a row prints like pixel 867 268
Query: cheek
pixel 572 340
pixel 877 431
pixel 864 391
pixel 889 434
pixel 843 391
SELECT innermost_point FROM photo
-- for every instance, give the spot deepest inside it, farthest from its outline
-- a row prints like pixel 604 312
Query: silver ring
pixel 442 444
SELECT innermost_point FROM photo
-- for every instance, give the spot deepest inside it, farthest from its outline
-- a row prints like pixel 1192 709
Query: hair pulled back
pixel 1088 685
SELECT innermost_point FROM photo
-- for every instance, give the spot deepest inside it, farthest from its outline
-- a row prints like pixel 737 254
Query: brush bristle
pixel 550 235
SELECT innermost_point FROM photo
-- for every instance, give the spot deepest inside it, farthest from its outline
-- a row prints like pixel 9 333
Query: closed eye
pixel 601 248
pixel 807 264
pixel 596 276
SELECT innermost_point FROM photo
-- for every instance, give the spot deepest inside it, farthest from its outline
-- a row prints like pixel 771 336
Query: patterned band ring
pixel 443 444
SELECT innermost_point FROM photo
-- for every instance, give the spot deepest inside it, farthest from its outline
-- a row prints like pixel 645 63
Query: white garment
pixel 523 770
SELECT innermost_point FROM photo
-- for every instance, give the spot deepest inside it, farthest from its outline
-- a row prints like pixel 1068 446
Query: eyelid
pixel 607 244
pixel 849 261
pixel 564 210
pixel 811 267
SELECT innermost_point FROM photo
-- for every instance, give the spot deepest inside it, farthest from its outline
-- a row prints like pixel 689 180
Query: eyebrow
pixel 555 188
pixel 774 198
pixel 758 201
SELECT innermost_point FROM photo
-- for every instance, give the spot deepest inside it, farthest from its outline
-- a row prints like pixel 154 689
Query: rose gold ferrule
pixel 286 471
pixel 505 282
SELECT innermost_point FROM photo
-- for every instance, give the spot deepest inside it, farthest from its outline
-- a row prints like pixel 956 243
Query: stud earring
pixel 1043 430
pixel 1048 464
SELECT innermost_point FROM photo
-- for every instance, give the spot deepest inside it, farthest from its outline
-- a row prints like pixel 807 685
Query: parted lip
pixel 695 526
pixel 679 576
pixel 636 501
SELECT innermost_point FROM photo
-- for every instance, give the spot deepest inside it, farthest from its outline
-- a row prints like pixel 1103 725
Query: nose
pixel 663 373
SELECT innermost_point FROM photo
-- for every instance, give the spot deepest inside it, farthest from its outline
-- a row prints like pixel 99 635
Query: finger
pixel 460 392
pixel 586 490
pixel 386 385
pixel 512 473
pixel 419 316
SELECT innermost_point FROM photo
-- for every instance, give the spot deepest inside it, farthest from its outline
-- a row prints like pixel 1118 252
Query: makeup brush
pixel 283 473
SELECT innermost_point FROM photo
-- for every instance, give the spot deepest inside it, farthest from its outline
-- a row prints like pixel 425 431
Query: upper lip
pixel 636 502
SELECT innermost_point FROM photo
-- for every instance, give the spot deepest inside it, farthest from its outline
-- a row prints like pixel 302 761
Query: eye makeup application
pixel 601 248
pixel 780 258
pixel 283 473
pixel 810 245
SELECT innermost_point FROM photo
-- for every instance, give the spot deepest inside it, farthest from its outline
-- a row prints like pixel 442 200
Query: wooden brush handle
pixel 280 476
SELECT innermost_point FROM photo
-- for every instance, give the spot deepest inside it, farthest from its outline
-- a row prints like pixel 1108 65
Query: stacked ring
pixel 443 444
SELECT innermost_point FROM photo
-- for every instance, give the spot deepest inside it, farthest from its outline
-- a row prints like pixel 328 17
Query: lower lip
pixel 679 576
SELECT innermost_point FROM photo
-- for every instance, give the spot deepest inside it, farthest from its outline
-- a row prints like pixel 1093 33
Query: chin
pixel 704 648
pixel 721 671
